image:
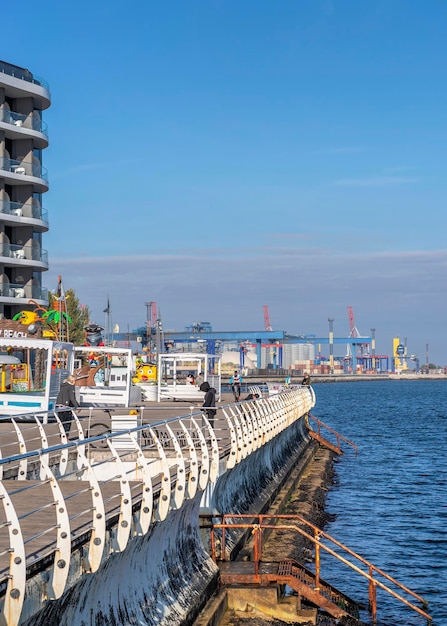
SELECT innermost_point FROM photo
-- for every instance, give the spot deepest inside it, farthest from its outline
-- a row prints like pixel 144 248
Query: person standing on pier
pixel 235 382
pixel 65 402
pixel 209 401
pixel 306 380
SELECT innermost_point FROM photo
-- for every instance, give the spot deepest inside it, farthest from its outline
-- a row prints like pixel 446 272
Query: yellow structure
pixel 145 372
pixel 28 318
pixel 13 374
pixel 399 354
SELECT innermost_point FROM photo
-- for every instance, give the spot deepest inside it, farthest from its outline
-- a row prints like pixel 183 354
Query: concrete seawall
pixel 166 576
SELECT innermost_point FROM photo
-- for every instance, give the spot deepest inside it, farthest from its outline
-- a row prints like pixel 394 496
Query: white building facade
pixel 23 181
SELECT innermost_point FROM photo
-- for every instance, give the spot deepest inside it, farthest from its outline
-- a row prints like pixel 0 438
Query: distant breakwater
pixel 343 378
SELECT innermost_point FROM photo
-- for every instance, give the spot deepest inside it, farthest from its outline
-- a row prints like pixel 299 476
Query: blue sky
pixel 215 156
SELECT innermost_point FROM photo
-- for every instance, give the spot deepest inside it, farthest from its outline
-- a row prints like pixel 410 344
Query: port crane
pixel 353 330
pixel 355 334
pixel 267 324
pixel 151 315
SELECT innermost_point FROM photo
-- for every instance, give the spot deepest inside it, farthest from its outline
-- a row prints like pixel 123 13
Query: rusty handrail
pixel 334 432
pixel 257 523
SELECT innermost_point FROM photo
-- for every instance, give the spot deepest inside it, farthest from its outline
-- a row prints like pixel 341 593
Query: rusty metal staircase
pixel 296 576
pixel 307 583
pixel 324 441
pixel 326 597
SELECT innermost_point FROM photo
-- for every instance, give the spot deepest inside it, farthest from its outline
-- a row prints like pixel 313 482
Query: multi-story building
pixel 23 181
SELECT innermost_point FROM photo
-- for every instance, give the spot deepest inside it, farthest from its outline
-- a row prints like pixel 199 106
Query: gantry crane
pixel 354 334
pixel 267 324
pixel 353 331
pixel 151 315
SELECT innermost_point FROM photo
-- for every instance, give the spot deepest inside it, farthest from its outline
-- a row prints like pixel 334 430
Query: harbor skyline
pixel 217 157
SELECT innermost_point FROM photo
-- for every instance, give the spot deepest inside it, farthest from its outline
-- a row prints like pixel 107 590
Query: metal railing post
pixel 15 590
pixel 317 559
pixel 256 547
pixel 373 607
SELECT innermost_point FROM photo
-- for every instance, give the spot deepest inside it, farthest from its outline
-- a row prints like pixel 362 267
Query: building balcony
pixel 21 83
pixel 13 255
pixel 13 213
pixel 19 172
pixel 20 126
pixel 13 292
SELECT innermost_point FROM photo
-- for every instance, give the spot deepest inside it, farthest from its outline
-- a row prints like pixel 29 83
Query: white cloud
pixel 378 181
pixel 400 168
pixel 393 292
pixel 88 167
pixel 340 150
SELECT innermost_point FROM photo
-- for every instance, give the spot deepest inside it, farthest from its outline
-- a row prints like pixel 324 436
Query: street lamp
pixel 373 348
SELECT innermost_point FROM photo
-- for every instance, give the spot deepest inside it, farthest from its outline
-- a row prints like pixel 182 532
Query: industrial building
pixel 266 349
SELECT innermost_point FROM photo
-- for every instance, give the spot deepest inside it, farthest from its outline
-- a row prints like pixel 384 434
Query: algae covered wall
pixel 259 474
pixel 165 577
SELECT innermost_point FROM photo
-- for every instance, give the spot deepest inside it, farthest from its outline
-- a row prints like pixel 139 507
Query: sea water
pixel 390 501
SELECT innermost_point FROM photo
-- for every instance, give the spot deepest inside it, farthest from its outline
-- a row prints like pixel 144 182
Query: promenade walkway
pixel 89 495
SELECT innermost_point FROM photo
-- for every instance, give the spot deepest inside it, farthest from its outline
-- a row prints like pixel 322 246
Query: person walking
pixel 235 382
pixel 209 401
pixel 199 380
pixel 65 401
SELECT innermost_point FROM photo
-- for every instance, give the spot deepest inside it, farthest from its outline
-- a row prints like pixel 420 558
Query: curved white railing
pixel 75 491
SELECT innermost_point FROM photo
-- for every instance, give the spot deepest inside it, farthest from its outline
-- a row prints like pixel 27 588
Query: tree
pixel 79 315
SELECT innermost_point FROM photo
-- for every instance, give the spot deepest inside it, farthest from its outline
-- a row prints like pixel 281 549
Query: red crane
pixel 267 324
pixel 353 332
pixel 151 315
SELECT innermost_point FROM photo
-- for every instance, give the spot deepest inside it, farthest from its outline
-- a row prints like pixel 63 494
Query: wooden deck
pixel 39 527
pixel 176 457
pixel 34 500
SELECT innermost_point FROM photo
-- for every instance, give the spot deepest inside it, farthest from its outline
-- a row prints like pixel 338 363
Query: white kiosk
pixel 104 376
pixel 174 368
pixel 31 373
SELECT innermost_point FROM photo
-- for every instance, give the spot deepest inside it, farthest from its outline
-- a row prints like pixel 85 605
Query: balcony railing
pixel 26 121
pixel 28 253
pixel 23 74
pixel 29 292
pixel 24 168
pixel 23 210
